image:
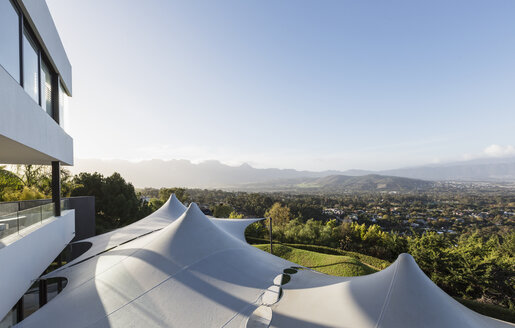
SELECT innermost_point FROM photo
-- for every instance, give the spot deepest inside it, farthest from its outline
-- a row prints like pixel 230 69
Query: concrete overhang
pixel 12 152
pixel 28 135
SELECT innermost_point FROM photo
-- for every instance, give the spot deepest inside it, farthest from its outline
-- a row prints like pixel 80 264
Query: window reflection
pixel 9 39
pixel 63 106
pixel 30 67
pixel 46 88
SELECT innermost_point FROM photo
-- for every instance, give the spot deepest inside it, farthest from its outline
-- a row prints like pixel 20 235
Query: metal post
pixel 42 292
pixel 270 227
pixel 56 187
pixel 19 310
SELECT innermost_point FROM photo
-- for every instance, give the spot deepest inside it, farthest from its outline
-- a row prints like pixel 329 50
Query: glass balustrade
pixel 15 221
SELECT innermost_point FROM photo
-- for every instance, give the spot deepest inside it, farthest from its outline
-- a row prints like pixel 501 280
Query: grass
pixel 336 265
pixel 373 262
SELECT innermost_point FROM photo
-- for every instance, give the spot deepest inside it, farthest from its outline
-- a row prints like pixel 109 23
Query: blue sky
pixel 292 84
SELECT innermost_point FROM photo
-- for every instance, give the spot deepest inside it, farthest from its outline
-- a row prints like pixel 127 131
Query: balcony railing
pixel 13 221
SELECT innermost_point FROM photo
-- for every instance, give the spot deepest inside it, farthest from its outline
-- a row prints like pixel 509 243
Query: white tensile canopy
pixel 178 268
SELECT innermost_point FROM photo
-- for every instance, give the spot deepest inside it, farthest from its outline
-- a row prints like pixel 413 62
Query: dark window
pixel 30 67
pixel 9 39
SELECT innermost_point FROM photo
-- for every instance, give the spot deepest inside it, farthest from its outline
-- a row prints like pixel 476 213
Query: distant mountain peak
pixel 246 166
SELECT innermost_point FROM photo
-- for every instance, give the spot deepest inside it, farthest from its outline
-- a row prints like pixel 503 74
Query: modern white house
pixel 176 267
pixel 35 82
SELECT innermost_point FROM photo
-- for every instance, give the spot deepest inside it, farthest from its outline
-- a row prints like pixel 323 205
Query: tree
pixel 30 174
pixel 31 182
pixel 115 200
pixel 9 183
pixel 44 183
pixel 155 203
pixel 222 210
pixel 89 184
pixel 433 255
pixel 235 215
pixel 26 193
pixel 180 193
pixel 256 230
pixel 279 214
pixel 9 179
pixel 120 200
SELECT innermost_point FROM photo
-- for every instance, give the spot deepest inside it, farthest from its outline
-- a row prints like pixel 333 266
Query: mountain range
pixel 343 183
pixel 213 174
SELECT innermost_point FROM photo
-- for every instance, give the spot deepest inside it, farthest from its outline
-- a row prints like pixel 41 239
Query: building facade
pixel 35 83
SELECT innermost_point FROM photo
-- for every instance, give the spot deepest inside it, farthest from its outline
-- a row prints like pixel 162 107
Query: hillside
pixel 344 183
pixel 371 182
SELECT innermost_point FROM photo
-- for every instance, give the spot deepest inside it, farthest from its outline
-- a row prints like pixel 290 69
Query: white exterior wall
pixel 24 259
pixel 27 134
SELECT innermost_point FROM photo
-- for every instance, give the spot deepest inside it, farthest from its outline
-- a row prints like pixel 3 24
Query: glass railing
pixel 15 222
pixel 65 204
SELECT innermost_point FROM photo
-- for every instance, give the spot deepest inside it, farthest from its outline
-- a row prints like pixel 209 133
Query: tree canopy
pixel 116 201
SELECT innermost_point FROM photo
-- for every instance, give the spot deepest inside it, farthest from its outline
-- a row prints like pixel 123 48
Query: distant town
pixel 462 208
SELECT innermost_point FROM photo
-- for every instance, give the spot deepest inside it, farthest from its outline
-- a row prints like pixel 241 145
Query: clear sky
pixel 292 84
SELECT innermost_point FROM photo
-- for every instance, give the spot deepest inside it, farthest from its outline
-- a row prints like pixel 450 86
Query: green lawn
pixel 336 265
pixel 373 262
